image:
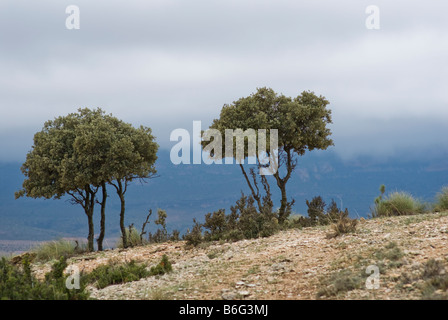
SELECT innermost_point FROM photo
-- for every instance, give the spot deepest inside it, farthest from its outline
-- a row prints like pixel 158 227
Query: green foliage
pixel 320 214
pixel 194 237
pixel 78 154
pixel 162 235
pixel 432 280
pixel 301 123
pixel 164 266
pixel 340 282
pixel 442 199
pixel 243 222
pixel 390 252
pixel 114 273
pixel 133 238
pixel 316 211
pixel 55 249
pixel 397 204
pixel 18 283
pixel 380 197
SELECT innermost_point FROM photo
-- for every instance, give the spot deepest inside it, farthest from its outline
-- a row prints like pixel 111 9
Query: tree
pixel 55 166
pixel 131 156
pixel 79 154
pixel 301 123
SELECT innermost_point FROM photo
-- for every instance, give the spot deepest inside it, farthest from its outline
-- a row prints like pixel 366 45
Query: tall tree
pixel 79 154
pixel 301 123
pixel 131 156
pixel 53 167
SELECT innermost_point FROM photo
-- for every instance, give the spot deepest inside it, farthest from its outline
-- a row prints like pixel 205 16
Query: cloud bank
pixel 164 64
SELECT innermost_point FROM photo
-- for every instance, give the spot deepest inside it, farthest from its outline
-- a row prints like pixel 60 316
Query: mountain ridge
pixel 191 191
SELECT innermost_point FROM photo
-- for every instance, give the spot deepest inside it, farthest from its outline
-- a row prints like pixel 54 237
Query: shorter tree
pixel 132 156
pixel 301 123
pixel 55 166
pixel 79 154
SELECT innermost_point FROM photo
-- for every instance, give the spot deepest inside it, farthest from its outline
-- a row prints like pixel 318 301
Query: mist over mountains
pixel 191 191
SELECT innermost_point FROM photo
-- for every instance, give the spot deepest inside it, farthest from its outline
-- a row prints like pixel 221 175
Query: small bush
pixel 243 222
pixel 194 237
pixel 397 204
pixel 435 285
pixel 133 238
pixel 164 266
pixel 340 282
pixel 442 199
pixel 390 252
pixel 319 214
pixel 18 283
pixel 316 211
pixel 114 273
pixel 343 225
pixel 52 250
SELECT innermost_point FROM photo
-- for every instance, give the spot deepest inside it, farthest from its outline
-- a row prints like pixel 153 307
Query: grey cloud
pixel 167 63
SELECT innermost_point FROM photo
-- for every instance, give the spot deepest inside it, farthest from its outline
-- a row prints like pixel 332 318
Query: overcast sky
pixel 165 63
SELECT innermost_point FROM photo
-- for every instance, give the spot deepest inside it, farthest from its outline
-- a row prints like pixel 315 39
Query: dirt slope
pixel 293 264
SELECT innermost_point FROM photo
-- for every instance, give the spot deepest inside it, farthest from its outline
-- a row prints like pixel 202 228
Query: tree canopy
pixel 301 123
pixel 80 153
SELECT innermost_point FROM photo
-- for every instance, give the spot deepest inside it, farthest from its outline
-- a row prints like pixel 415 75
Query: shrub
pixel 161 235
pixel 194 237
pixel 433 280
pixel 18 283
pixel 51 250
pixel 321 214
pixel 164 266
pixel 397 204
pixel 316 210
pixel 250 222
pixel 343 225
pixel 133 238
pixel 340 282
pixel 114 273
pixel 243 222
pixel 390 252
pixel 442 199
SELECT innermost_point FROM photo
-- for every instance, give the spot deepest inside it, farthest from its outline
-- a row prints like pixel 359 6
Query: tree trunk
pixel 122 210
pixel 283 204
pixel 103 218
pixel 122 227
pixel 91 231
pixel 88 208
pixel 255 196
pixel 281 183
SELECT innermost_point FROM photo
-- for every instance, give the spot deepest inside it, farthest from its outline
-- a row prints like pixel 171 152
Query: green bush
pixel 320 214
pixel 133 238
pixel 18 283
pixel 432 280
pixel 243 222
pixel 398 204
pixel 194 237
pixel 316 211
pixel 114 273
pixel 340 282
pixel 52 250
pixel 390 252
pixel 442 199
pixel 164 266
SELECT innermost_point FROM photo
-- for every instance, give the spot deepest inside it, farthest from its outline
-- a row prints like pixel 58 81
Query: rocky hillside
pixel 408 256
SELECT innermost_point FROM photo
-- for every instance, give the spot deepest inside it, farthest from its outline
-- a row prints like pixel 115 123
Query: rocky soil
pixel 293 264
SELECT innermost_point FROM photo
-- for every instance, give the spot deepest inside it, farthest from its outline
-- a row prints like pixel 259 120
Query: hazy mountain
pixel 191 191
